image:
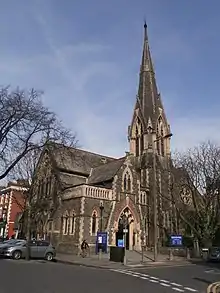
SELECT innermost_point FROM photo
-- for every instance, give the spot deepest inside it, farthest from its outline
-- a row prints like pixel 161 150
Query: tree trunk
pixel 28 234
pixel 206 242
pixel 196 248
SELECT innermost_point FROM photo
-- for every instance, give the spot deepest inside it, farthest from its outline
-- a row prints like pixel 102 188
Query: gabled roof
pixel 68 180
pixel 74 160
pixel 105 172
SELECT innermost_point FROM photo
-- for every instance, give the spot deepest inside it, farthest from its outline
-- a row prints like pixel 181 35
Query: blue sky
pixel 85 55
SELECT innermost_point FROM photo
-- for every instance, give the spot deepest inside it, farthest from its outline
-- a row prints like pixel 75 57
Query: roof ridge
pixel 86 151
pixel 104 164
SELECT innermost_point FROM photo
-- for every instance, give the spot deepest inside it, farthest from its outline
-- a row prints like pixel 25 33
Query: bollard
pixel 142 254
pixel 214 288
pixel 187 253
pixel 217 288
pixel 170 254
pixel 100 253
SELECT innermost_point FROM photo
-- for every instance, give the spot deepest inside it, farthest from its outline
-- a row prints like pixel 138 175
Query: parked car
pixel 7 243
pixel 204 252
pixel 38 249
pixel 214 254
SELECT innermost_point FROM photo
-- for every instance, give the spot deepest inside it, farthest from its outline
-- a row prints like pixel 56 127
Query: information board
pixel 176 240
pixel 101 242
pixel 120 243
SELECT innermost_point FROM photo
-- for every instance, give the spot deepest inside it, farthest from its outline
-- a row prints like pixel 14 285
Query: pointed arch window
pixel 94 223
pixel 160 134
pixel 66 221
pixel 72 223
pixel 157 138
pixel 162 140
pixel 127 182
pixel 139 138
pixel 141 199
pixel 137 143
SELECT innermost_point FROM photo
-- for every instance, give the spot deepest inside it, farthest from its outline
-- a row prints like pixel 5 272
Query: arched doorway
pixel 124 226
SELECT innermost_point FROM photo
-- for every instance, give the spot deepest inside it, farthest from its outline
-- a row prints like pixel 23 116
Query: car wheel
pixel 49 256
pixel 16 255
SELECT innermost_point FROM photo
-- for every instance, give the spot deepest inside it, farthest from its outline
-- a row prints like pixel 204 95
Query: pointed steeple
pixel 149 114
pixel 146 64
pixel 147 91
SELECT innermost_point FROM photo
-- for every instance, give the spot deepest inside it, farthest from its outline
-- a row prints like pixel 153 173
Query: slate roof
pixel 105 172
pixel 69 180
pixel 75 160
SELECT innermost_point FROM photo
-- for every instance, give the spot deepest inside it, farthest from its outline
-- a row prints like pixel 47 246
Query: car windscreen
pixel 215 250
pixel 9 241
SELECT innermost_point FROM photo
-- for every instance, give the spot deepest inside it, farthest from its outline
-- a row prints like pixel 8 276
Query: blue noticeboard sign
pixel 101 241
pixel 176 240
pixel 120 243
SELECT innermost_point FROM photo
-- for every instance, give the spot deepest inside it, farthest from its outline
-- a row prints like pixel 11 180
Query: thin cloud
pixel 173 45
pixel 190 131
pixel 94 93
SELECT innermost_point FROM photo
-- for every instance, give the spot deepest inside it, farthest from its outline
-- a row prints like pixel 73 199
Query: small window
pixel 66 222
pixel 103 160
pixel 125 182
pixel 129 183
pixel 72 224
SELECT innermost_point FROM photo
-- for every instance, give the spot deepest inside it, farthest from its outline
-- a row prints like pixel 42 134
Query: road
pixel 41 277
pixel 38 277
pixel 189 278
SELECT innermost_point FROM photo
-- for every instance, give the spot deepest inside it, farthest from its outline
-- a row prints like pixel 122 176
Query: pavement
pixel 134 260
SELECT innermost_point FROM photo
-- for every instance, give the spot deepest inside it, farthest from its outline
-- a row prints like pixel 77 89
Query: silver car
pixel 7 243
pixel 38 249
pixel 214 254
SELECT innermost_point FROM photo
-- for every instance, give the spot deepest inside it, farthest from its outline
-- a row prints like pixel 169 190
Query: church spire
pixel 147 91
pixel 149 115
pixel 146 64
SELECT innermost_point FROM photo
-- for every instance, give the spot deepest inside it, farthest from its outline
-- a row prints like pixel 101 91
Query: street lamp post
pixel 101 215
pixel 100 229
pixel 155 194
pixel 125 225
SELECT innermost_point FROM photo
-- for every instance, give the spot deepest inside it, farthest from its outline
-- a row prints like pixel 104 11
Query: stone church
pixel 86 192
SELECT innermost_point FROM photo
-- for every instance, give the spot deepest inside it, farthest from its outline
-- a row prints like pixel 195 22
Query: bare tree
pixel 23 173
pixel 26 128
pixel 26 125
pixel 195 191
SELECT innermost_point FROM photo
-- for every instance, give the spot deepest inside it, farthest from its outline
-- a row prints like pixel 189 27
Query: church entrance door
pixel 124 226
pixel 120 234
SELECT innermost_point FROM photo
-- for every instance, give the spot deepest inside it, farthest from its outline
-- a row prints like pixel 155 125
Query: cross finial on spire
pixel 145 30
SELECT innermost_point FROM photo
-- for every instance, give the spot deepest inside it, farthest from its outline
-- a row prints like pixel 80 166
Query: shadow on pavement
pixel 210 265
pixel 203 280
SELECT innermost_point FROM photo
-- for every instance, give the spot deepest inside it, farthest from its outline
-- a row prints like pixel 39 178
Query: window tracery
pixel 66 221
pixel 127 180
pixel 139 138
pixel 159 136
pixel 143 198
pixel 72 223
